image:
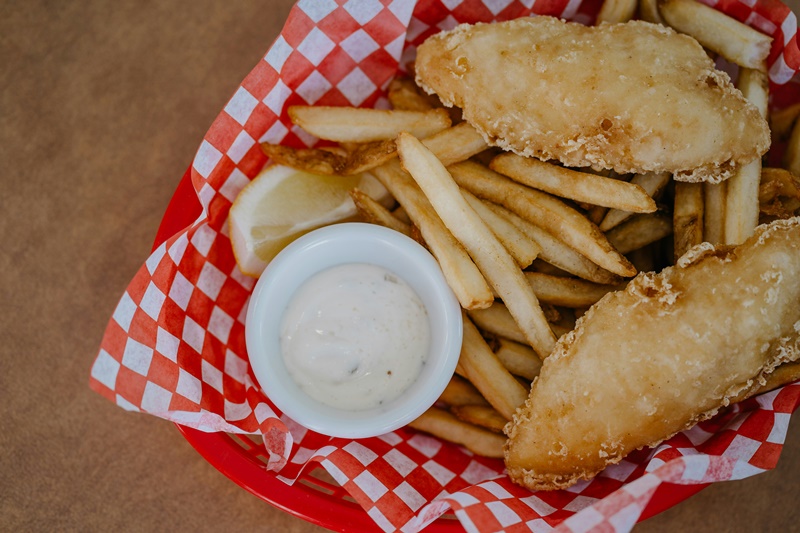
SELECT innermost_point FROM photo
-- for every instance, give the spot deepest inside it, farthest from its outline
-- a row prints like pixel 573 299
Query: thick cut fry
pixel 351 124
pixel 544 210
pixel 480 415
pixel 714 212
pixel 596 213
pixel 485 371
pixel 652 183
pixel 459 391
pixel 741 198
pixel 497 266
pixel 462 275
pixel 648 10
pixel 556 253
pixel 523 249
pixel 401 214
pixel 405 95
pixel 366 156
pixel 314 160
pixel 614 11
pixel 375 213
pixel 578 186
pixel 446 426
pixel 687 217
pixel 736 42
pixel 456 144
pixel 540 265
pixel 360 158
pixel 567 292
pixel 497 321
pixel 518 358
pixel 640 231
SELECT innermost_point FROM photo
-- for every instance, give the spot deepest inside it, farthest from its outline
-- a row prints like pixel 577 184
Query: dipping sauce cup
pixel 290 271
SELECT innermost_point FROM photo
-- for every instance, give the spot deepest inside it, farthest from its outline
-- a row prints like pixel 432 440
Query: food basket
pixel 174 346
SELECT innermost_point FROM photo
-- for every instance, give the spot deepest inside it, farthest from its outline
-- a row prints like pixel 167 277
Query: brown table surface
pixel 102 105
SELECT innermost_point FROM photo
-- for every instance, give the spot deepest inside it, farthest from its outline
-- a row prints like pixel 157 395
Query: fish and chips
pixel 597 219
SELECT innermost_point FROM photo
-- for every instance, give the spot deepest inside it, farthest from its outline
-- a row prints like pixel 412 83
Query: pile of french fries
pixel 528 246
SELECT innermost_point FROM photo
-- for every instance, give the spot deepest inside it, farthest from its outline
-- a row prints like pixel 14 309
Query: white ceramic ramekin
pixel 325 248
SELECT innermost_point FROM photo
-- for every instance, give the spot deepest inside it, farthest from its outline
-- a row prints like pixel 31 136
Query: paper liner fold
pixel 175 348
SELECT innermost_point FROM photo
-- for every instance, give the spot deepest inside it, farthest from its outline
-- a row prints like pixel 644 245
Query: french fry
pixel 497 321
pixel 733 40
pixel 497 266
pixel 367 156
pixel 652 183
pixel 356 159
pixel 556 253
pixel 401 214
pixel 405 95
pixel 578 186
pixel 485 371
pixel 596 213
pixel 539 265
pixel 714 212
pixel 374 213
pixel 451 145
pixel 741 198
pixel 616 11
pixel 523 249
pixel 446 426
pixel 351 124
pixel 518 358
pixel 464 278
pixel 459 391
pixel 544 210
pixel 648 10
pixel 480 415
pixel 313 160
pixel 567 292
pixel 456 144
pixel 687 217
pixel 640 231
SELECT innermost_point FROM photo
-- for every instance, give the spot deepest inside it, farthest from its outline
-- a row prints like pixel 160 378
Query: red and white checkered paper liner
pixel 175 345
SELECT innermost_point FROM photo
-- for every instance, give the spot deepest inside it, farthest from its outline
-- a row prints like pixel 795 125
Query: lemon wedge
pixel 283 203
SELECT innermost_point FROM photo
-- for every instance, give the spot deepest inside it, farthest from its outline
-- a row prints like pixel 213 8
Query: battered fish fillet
pixel 632 97
pixel 654 359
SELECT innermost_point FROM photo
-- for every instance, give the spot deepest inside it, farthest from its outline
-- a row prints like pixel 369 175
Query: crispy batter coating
pixel 632 97
pixel 654 359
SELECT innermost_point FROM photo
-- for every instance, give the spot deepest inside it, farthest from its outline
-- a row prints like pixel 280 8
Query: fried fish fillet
pixel 654 359
pixel 633 97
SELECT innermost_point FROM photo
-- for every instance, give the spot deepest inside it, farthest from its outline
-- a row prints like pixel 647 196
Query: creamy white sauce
pixel 355 336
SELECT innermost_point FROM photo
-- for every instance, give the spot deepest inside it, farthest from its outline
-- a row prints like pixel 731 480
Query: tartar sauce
pixel 355 336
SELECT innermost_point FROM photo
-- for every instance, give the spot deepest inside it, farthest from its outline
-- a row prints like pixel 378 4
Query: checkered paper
pixel 174 347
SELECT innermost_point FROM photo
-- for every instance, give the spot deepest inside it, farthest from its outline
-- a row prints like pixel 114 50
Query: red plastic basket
pixel 315 496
